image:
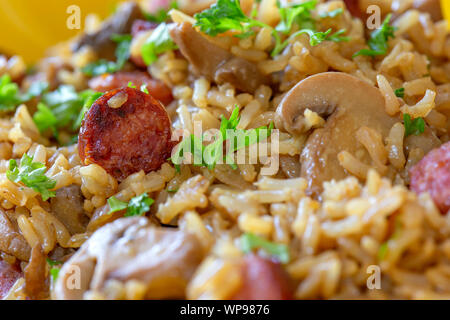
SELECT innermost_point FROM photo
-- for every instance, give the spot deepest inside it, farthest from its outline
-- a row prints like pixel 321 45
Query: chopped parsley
pixel 63 107
pixel 162 15
pixel 208 156
pixel 31 174
pixel 332 14
pixel 158 42
pixel 249 242
pixel 415 126
pixel 378 42
pixel 143 87
pixel 297 13
pixel 137 206
pixel 227 15
pixel 103 66
pixel 55 268
pixel 10 95
pixel 400 92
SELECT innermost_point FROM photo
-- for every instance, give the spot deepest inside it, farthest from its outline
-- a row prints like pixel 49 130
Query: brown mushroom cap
pixel 349 103
pixel 215 63
pixel 132 249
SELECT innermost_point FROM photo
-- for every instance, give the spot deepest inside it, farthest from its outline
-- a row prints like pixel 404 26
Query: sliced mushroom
pixel 11 241
pixel 349 103
pixel 67 206
pixel 120 23
pixel 214 62
pixel 132 249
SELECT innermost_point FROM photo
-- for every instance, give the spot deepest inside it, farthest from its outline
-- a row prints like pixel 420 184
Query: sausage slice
pixel 125 131
pixel 156 88
pixel 432 174
pixel 263 279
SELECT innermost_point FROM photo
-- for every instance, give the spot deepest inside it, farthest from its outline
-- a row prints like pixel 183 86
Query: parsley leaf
pixel 103 66
pixel 10 96
pixel 400 92
pixel 223 16
pixel 415 126
pixel 45 119
pixel 162 14
pixel 249 242
pixel 315 37
pixel 116 205
pixel 123 48
pixel 210 155
pixel 378 42
pixel 227 15
pixel 299 13
pixel 137 206
pixel 158 42
pixel 31 174
pixel 64 107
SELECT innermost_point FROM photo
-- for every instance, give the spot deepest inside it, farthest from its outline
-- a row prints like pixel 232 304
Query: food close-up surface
pixel 249 150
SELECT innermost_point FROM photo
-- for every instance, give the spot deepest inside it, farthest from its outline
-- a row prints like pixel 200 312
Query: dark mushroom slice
pixel 67 206
pixel 215 63
pixel 348 104
pixel 11 241
pixel 133 249
pixel 120 23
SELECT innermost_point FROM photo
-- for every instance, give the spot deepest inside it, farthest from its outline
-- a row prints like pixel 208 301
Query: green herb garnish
pixel 208 156
pixel 400 92
pixel 249 242
pixel 103 66
pixel 415 126
pixel 137 206
pixel 10 96
pixel 227 15
pixel 31 174
pixel 378 42
pixel 157 43
pixel 297 13
pixel 64 107
pixel 162 15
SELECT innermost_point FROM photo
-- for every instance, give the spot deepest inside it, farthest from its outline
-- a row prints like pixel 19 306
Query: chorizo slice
pixel 432 175
pixel 263 279
pixel 156 88
pixel 125 131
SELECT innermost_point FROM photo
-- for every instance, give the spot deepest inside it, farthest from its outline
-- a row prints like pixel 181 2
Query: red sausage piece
pixel 125 131
pixel 117 80
pixel 263 279
pixel 432 174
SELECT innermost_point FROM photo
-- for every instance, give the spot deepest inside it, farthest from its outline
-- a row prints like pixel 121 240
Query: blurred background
pixel 29 27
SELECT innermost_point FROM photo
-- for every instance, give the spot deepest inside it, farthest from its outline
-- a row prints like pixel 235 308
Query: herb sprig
pixel 415 126
pixel 137 206
pixel 378 42
pixel 227 15
pixel 208 156
pixel 32 175
pixel 103 66
pixel 249 242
